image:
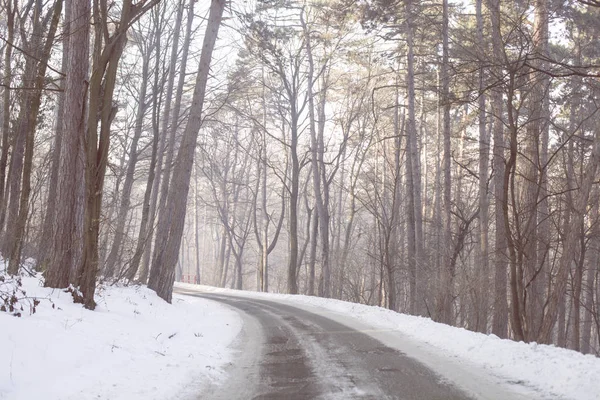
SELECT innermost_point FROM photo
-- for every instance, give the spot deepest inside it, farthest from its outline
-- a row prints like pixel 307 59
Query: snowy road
pixel 339 350
pixel 290 353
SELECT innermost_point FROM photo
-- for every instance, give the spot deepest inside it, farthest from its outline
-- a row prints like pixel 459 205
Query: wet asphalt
pixel 288 353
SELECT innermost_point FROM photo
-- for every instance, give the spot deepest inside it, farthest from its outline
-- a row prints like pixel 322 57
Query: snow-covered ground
pixel 532 371
pixel 133 346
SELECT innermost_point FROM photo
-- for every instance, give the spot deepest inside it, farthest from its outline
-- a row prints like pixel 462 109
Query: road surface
pixel 289 353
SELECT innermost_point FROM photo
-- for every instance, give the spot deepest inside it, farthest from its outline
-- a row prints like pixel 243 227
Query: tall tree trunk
pixel 324 217
pixel 447 281
pixel 544 225
pixel 101 113
pixel 165 147
pixel 67 225
pixel 500 317
pixel 483 268
pixel 411 237
pixel 49 217
pixel 415 218
pixel 534 176
pixel 163 266
pixel 264 252
pixel 314 160
pixel 338 227
pixel 292 280
pixel 517 310
pixel 173 116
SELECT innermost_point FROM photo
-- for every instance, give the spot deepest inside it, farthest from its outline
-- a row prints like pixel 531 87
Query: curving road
pixel 290 353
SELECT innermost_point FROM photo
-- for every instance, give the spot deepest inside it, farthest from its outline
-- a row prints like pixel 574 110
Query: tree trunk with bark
pixel 500 317
pixel 66 240
pixel 447 276
pixel 415 217
pixel 163 265
pixel 49 216
pixel 481 292
pixel 169 131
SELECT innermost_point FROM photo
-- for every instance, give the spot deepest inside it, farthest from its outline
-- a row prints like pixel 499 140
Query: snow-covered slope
pixel 531 370
pixel 133 346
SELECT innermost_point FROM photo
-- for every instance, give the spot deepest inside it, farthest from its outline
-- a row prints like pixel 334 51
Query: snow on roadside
pixel 552 372
pixel 133 346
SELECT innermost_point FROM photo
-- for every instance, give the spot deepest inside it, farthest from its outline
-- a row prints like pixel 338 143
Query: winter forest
pixel 438 158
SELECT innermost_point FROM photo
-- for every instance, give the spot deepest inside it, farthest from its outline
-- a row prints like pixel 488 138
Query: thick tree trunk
pixel 101 113
pixel 67 225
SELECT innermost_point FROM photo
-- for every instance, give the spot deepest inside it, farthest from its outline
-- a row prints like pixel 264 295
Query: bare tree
pixel 18 221
pixel 131 166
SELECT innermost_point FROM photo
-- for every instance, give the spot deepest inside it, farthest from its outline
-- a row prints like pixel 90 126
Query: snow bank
pixel 133 346
pixel 550 371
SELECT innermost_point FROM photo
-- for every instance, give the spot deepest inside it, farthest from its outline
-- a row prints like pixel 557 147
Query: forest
pixel 438 158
